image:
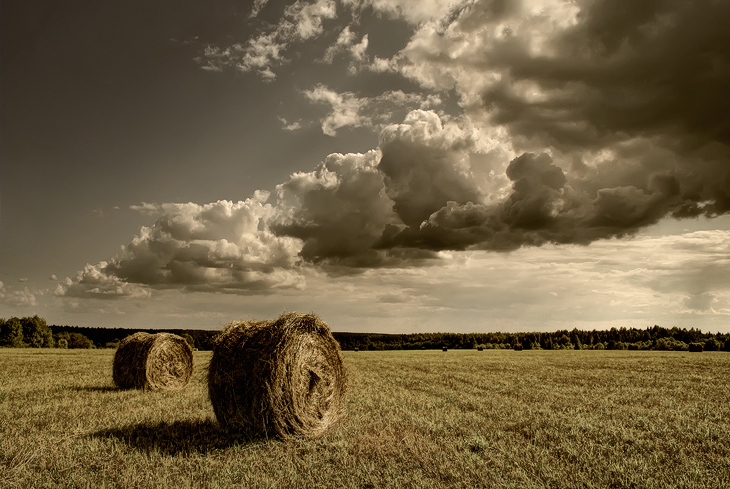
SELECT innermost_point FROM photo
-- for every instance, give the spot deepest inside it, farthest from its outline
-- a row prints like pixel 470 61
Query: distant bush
pixel 77 340
pixel 670 344
pixel 695 347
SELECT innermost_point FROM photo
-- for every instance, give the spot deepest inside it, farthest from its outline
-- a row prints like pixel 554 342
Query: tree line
pixel 36 333
pixel 651 338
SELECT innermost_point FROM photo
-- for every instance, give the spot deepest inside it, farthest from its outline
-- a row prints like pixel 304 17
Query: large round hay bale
pixel 278 378
pixel 161 361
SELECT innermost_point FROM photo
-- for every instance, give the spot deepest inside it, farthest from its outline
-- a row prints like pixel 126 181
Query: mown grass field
pixel 416 419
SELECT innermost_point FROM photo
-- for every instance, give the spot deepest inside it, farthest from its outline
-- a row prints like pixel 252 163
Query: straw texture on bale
pixel 162 361
pixel 282 378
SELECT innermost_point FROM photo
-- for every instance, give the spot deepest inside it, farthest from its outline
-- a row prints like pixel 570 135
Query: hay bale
pixel 480 348
pixel 162 361
pixel 518 347
pixel 696 347
pixel 278 378
pixel 444 348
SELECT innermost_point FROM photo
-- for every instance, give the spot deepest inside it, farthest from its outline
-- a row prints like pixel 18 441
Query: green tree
pixel 11 333
pixel 712 345
pixel 36 332
pixel 77 340
pixel 189 339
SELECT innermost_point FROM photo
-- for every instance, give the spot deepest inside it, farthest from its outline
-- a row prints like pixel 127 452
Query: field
pixel 418 419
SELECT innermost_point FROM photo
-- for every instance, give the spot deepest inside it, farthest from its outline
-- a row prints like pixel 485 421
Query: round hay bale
pixel 280 378
pixel 162 361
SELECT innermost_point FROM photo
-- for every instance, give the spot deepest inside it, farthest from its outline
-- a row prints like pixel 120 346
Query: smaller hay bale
pixel 480 348
pixel 162 361
pixel 518 347
pixel 357 349
pixel 282 378
pixel 443 348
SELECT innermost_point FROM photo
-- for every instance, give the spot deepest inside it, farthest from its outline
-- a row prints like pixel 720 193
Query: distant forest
pixel 35 332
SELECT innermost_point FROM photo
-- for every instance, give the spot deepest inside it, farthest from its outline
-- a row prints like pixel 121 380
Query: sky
pixel 394 166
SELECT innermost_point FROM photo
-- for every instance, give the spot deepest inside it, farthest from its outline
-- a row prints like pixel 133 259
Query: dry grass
pixel 419 419
pixel 277 379
pixel 161 361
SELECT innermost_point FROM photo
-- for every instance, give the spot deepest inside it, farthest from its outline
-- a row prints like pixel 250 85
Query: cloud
pixel 366 210
pixel 339 210
pixel 349 110
pixel 620 104
pixel 290 126
pixel 222 246
pixel 307 17
pixel 426 165
pixel 412 12
pixel 344 42
pixel 345 109
pixel 261 54
pixel 97 282
pixel 18 298
pixel 257 6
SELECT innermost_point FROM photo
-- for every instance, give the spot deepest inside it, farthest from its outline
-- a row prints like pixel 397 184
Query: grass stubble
pixel 418 419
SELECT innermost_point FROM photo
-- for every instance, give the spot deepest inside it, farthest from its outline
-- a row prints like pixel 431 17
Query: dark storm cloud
pixel 366 210
pixel 656 71
pixel 623 111
pixel 637 68
pixel 338 210
pixel 421 177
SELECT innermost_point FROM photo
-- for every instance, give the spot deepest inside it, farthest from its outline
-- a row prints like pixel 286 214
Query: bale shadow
pixel 90 388
pixel 179 437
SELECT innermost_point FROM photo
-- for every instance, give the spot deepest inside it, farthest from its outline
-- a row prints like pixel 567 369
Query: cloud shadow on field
pixel 177 438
